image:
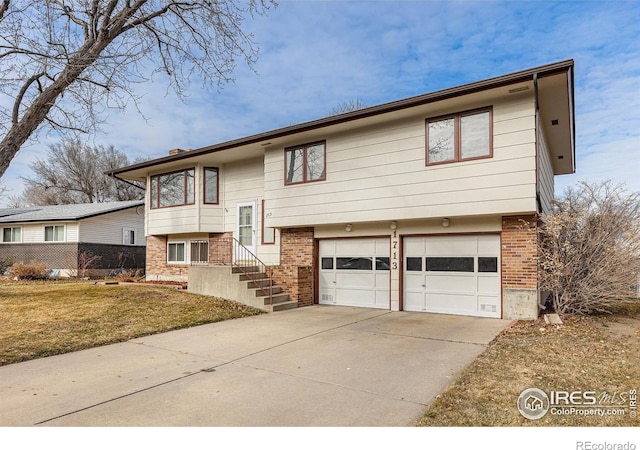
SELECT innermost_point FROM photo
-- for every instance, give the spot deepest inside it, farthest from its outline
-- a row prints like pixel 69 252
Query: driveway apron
pixel 313 366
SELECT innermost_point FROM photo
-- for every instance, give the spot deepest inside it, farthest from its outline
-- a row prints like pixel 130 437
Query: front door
pixel 246 225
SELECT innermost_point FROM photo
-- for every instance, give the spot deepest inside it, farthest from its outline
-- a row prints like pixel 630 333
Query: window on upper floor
pixel 305 163
pixel 211 185
pixel 12 234
pixel 460 137
pixel 173 189
pixel 54 233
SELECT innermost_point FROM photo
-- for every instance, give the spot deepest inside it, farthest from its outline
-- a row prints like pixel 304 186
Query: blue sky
pixel 315 55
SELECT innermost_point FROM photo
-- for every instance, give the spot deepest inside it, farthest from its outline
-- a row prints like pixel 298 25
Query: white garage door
pixel 355 272
pixel 453 275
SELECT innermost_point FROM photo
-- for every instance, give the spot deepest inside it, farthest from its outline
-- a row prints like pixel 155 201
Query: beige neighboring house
pixel 429 203
pixel 64 237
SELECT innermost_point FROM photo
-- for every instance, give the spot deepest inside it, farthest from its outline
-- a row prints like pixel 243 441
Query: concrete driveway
pixel 314 366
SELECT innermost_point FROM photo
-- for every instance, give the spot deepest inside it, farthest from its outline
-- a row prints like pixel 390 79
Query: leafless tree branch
pixel 94 51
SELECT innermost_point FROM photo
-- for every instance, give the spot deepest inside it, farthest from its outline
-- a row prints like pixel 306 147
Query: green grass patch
pixel 52 317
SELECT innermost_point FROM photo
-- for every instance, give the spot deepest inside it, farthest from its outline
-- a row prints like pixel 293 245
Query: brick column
pixel 519 258
pixel 295 272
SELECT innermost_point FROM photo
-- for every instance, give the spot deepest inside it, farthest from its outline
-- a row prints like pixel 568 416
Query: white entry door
pixel 246 225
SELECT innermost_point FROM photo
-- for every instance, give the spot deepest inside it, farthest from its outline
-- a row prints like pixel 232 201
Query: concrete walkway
pixel 314 366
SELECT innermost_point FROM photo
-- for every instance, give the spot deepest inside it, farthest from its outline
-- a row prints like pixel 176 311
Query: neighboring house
pixel 424 204
pixel 63 237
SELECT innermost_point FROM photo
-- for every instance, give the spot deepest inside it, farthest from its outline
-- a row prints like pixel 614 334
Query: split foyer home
pixel 429 203
pixel 66 237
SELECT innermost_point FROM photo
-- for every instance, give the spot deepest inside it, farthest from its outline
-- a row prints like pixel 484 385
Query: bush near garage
pixel 590 249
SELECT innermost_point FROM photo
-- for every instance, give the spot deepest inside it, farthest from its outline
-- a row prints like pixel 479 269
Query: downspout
pixel 541 301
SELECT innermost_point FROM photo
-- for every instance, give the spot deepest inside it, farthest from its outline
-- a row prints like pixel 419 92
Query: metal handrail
pixel 232 252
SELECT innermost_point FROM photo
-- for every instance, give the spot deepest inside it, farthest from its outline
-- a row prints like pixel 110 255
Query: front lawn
pixel 586 353
pixel 52 317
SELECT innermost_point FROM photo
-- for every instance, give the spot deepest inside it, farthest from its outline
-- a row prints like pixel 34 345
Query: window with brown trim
pixel 211 185
pixel 173 189
pixel 460 137
pixel 305 163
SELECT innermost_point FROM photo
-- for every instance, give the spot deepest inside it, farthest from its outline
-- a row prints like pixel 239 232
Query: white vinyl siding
pixel 34 232
pixel 378 173
pixel 195 218
pixel 244 182
pixel 110 228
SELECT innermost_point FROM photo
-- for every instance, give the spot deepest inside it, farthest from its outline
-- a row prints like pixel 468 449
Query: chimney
pixel 175 151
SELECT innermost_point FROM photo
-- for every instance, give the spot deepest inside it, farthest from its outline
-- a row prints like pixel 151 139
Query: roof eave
pixel 490 83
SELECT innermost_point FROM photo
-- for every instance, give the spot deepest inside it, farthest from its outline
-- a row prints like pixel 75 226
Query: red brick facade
pixel 295 272
pixel 220 248
pixel 157 260
pixel 519 252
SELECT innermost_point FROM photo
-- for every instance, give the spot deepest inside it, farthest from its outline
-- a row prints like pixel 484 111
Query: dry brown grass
pixel 599 353
pixel 52 317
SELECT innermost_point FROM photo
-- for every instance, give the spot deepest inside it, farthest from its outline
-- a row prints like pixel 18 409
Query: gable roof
pixel 63 212
pixel 550 103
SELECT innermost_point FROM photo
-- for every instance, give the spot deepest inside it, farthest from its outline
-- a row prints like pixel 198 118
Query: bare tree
pixel 347 106
pixel 63 63
pixel 590 248
pixel 74 172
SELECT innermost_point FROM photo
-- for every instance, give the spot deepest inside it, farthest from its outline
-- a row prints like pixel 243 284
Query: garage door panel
pixel 488 245
pixel 453 274
pixel 451 283
pixel 414 301
pixel 488 303
pixel 415 246
pixel 355 279
pixel 488 285
pixel 452 247
pixel 451 303
pixel 359 275
pixel 382 298
pixel 354 297
pixel 414 281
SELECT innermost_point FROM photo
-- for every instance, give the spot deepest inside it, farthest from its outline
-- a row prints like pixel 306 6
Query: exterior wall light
pixel 349 227
pixel 445 222
pixel 393 225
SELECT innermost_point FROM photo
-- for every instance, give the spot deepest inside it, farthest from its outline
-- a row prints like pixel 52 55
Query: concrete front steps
pixel 245 285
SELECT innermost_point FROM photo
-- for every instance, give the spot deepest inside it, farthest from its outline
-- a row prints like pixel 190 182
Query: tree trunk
pixel 37 112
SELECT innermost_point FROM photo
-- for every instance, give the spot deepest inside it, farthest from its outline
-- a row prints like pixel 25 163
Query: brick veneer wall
pixel 220 248
pixel 519 252
pixel 295 272
pixel 156 264
pixel 519 263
